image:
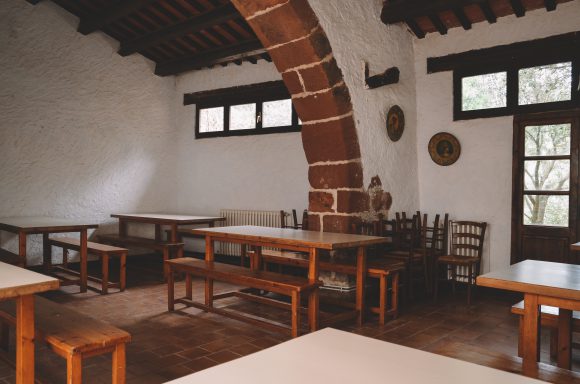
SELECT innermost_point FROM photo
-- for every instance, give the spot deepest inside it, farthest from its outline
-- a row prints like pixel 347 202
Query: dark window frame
pixel 248 94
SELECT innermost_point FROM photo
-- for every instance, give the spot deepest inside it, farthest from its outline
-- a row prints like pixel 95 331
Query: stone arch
pixel 294 38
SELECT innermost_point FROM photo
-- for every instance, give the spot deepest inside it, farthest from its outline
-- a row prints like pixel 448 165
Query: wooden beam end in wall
pixel 414 27
pixel 488 12
pixel 462 17
pixel 33 2
pixel 438 24
pixel 550 5
pixel 518 8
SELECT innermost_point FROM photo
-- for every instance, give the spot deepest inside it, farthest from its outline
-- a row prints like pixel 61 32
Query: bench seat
pixel 282 284
pixel 380 269
pixel 10 258
pixel 73 336
pixel 103 251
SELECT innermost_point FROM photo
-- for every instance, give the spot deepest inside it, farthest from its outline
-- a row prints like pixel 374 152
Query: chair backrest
pixel 295 224
pixel 467 238
pixel 406 231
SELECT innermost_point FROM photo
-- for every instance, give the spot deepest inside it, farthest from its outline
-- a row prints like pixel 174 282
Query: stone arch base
pixel 299 48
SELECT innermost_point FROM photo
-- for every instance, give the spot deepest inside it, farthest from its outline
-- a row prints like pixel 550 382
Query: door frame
pixel 572 116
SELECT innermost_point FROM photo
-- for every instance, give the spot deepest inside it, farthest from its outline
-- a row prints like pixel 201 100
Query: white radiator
pixel 245 217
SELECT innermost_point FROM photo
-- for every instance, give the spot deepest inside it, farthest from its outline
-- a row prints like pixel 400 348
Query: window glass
pixel 277 113
pixel 546 83
pixel 547 175
pixel 211 120
pixel 549 210
pixel 484 91
pixel 547 140
pixel 242 116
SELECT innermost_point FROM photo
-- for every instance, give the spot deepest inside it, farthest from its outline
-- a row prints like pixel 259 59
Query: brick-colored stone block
pixel 347 175
pixel 320 202
pixel 322 76
pixel 313 222
pixel 331 141
pixel 352 201
pixel 292 82
pixel 321 106
pixel 339 224
pixel 309 50
pixel 248 8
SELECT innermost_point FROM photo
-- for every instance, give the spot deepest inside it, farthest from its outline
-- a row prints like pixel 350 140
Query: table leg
pixel 209 257
pixel 25 339
pixel 361 269
pixel 22 248
pixel 158 233
pixel 313 298
pixel 174 235
pixel 123 228
pixel 257 265
pixel 83 254
pixel 564 338
pixel 531 341
pixel 46 254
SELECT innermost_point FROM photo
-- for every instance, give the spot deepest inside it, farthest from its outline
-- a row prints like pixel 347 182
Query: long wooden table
pixel 160 219
pixel 19 284
pixel 575 247
pixel 338 357
pixel 310 242
pixel 24 226
pixel 542 283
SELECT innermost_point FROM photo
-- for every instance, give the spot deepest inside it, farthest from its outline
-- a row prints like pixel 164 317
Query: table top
pixel 16 281
pixel 332 356
pixel 293 237
pixel 166 218
pixel 538 277
pixel 39 224
pixel 575 247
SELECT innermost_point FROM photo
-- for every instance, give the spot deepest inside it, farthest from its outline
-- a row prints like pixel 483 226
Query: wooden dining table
pixel 20 284
pixel 24 226
pixel 338 357
pixel 542 283
pixel 310 242
pixel 174 221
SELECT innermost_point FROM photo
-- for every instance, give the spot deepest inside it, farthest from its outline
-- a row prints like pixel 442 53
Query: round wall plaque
pixel 395 123
pixel 444 148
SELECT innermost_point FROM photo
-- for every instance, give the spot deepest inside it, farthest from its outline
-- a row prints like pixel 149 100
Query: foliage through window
pixel 246 110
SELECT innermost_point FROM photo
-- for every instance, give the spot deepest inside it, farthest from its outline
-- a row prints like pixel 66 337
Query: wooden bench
pixel 378 269
pixel 73 336
pixel 103 251
pixel 167 248
pixel 10 258
pixel 285 285
pixel 549 319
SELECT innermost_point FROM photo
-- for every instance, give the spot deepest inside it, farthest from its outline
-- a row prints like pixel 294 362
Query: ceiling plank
pixel 245 48
pixel 488 12
pixel 412 24
pixel 118 11
pixel 518 8
pixel 439 25
pixel 402 10
pixel 550 5
pixel 195 24
pixel 462 17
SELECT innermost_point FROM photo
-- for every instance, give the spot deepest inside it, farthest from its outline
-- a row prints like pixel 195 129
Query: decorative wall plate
pixel 444 148
pixel 395 123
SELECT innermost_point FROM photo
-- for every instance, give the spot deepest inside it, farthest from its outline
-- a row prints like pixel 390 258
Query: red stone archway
pixel 299 48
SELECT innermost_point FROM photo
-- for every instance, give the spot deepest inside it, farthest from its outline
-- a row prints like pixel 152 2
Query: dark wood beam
pixel 518 8
pixel 219 55
pixel 560 47
pixel 462 17
pixel 121 9
pixel 34 2
pixel 488 12
pixel 390 76
pixel 195 24
pixel 402 10
pixel 234 94
pixel 439 25
pixel 412 24
pixel 550 5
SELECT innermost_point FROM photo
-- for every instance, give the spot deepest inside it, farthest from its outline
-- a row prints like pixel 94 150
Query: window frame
pixel 248 94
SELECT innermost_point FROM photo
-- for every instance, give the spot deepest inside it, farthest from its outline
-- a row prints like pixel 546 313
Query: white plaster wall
pixel 478 186
pixel 357 34
pixel 84 132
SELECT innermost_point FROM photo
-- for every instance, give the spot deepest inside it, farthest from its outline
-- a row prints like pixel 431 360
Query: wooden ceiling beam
pixel 402 10
pixel 488 12
pixel 550 5
pixel 246 48
pixel 121 9
pixel 33 2
pixel 415 28
pixel 195 24
pixel 439 25
pixel 462 17
pixel 518 8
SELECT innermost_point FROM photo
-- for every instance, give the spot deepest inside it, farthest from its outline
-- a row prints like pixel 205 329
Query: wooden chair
pixel 467 239
pixel 295 223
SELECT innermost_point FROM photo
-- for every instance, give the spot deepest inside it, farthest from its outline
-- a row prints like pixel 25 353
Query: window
pixel 247 110
pixel 484 91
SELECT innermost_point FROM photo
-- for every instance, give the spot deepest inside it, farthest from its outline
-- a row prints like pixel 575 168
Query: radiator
pixel 246 217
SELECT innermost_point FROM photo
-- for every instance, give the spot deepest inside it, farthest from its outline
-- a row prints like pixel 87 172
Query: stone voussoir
pixel 333 176
pixel 334 140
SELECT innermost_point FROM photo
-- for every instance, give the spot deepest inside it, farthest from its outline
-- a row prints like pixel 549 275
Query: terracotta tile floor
pixel 166 345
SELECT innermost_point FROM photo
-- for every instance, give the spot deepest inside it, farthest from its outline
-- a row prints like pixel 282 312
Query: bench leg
pixel 382 299
pixel 65 257
pixel 188 287
pixel 165 265
pixel 119 364
pixel 209 292
pixel 395 295
pixel 554 343
pixel 74 369
pixel 123 271
pixel 180 252
pixel 521 337
pixel 170 291
pixel 105 272
pixel 295 314
pixel 4 336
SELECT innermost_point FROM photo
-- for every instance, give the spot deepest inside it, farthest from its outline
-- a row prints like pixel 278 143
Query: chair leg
pixel 4 336
pixel 119 364
pixel 436 283
pixel 170 291
pixel 295 314
pixel 105 272
pixel 426 273
pixel 395 294
pixel 188 286
pixel 74 369
pixel 123 271
pixel 382 298
pixel 469 283
pixel 453 278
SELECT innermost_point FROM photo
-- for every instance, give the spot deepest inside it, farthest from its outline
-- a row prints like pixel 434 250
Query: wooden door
pixel 545 187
